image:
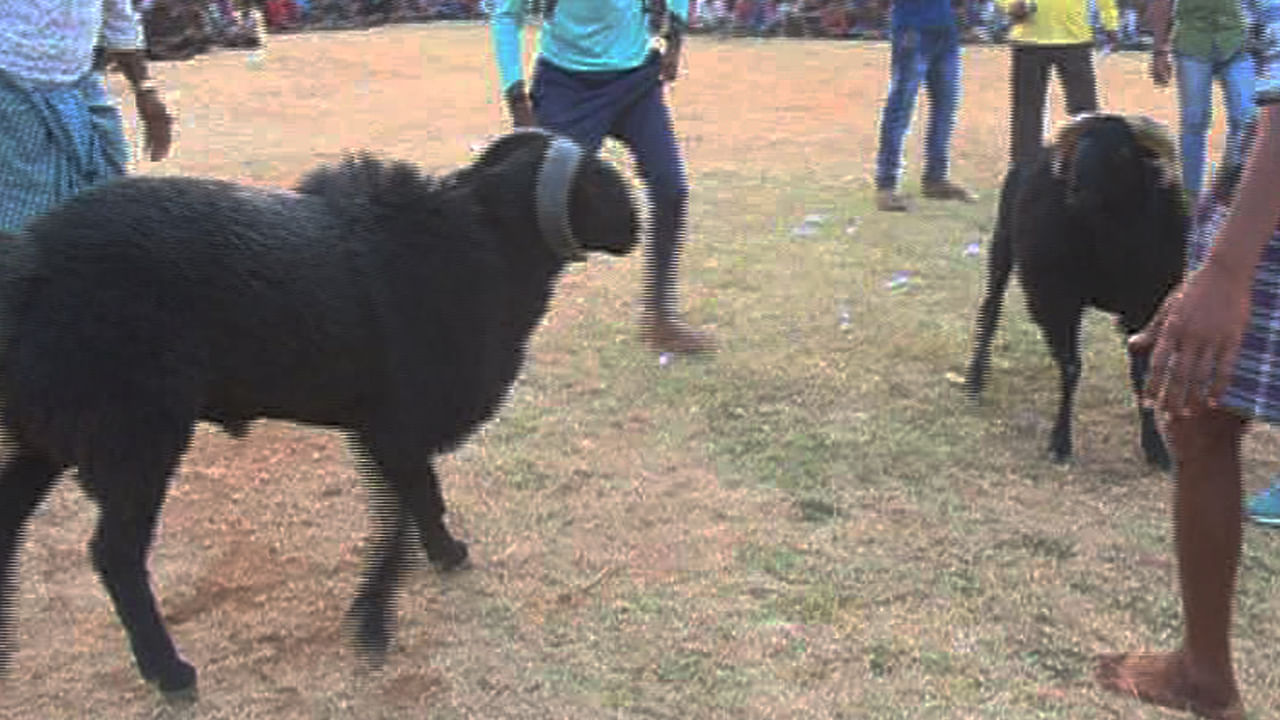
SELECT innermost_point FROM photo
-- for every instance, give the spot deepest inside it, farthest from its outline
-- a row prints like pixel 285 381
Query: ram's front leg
pixel 1153 445
pixel 1060 323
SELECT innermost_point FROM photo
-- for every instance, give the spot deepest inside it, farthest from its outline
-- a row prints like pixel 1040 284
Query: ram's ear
pixel 1154 137
pixel 1066 139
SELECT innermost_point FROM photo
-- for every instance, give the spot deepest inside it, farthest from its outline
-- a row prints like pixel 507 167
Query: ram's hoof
pixel 451 555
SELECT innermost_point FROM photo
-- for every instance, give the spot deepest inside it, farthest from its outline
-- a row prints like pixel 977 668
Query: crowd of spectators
pixel 979 20
pixel 178 29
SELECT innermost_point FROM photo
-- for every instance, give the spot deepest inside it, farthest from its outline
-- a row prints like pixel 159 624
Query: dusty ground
pixel 624 566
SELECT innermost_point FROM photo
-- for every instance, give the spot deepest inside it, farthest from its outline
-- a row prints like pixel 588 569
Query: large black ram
pixel 1098 219
pixel 375 299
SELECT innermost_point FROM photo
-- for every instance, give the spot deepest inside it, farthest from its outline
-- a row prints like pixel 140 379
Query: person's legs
pixel 1195 111
pixel 905 66
pixel 1207 520
pixel 646 127
pixel 1236 78
pixel 1079 81
pixel 942 83
pixel 1029 80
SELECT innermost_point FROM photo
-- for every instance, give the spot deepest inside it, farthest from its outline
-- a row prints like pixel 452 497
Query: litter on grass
pixel 809 226
pixel 900 280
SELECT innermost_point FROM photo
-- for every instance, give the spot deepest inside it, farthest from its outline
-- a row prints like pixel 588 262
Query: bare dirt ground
pixel 612 554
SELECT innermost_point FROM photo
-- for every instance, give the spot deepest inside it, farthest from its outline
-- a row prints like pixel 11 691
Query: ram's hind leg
pixel 25 480
pixel 999 267
pixel 127 475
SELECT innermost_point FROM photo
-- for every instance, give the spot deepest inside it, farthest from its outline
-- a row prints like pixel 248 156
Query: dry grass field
pixel 812 524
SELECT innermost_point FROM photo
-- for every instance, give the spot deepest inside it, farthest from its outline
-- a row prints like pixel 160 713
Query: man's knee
pixel 1194 121
pixel 668 188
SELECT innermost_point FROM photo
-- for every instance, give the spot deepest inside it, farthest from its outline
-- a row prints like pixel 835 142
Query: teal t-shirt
pixel 580 35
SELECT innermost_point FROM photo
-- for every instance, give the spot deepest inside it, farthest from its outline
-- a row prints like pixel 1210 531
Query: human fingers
pixel 1163 351
pixel 1223 371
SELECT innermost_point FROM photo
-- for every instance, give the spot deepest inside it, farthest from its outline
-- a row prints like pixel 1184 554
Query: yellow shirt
pixel 1060 22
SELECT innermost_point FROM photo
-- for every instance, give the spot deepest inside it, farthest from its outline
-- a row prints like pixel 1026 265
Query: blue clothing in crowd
pixel 925 49
pixel 922 14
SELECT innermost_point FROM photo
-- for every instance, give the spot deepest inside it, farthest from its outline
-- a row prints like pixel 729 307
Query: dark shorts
pixel 588 106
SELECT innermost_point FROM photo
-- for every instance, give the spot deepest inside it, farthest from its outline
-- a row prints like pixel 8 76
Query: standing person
pixel 1207 39
pixel 925 45
pixel 1051 34
pixel 597 74
pixel 1216 366
pixel 60 131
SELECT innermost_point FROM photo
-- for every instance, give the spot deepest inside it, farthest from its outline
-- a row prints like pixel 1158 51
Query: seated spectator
pixel 834 22
pixel 175 29
pixel 712 15
pixel 231 26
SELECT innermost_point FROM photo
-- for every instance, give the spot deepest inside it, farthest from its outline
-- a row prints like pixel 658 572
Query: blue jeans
pixel 1195 101
pixel 934 56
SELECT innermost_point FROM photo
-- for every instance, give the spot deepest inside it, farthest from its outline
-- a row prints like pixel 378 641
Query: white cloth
pixel 51 41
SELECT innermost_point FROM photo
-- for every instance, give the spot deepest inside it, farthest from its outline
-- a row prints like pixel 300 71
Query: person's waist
pixel 42 69
pixel 579 57
pixel 89 83
pixel 1057 36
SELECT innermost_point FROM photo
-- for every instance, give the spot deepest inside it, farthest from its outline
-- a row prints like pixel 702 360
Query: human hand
pixel 1195 340
pixel 520 106
pixel 157 123
pixel 670 67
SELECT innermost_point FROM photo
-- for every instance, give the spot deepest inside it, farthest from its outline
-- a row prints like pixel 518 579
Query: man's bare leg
pixel 1207 525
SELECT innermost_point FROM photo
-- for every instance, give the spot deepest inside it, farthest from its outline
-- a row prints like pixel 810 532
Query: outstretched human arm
pixel 506 25
pixel 124 40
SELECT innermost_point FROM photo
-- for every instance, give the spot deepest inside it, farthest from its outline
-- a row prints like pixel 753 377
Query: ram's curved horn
pixel 555 180
pixel 1154 136
pixel 1064 142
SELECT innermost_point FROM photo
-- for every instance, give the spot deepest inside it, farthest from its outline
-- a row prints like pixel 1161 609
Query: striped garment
pixel 1254 391
pixel 1255 382
pixel 57 140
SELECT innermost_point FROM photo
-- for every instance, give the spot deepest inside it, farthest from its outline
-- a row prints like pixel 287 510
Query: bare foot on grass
pixel 1163 679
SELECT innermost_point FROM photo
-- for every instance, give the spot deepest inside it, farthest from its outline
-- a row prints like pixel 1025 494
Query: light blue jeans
pixel 1195 100
pixel 933 56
